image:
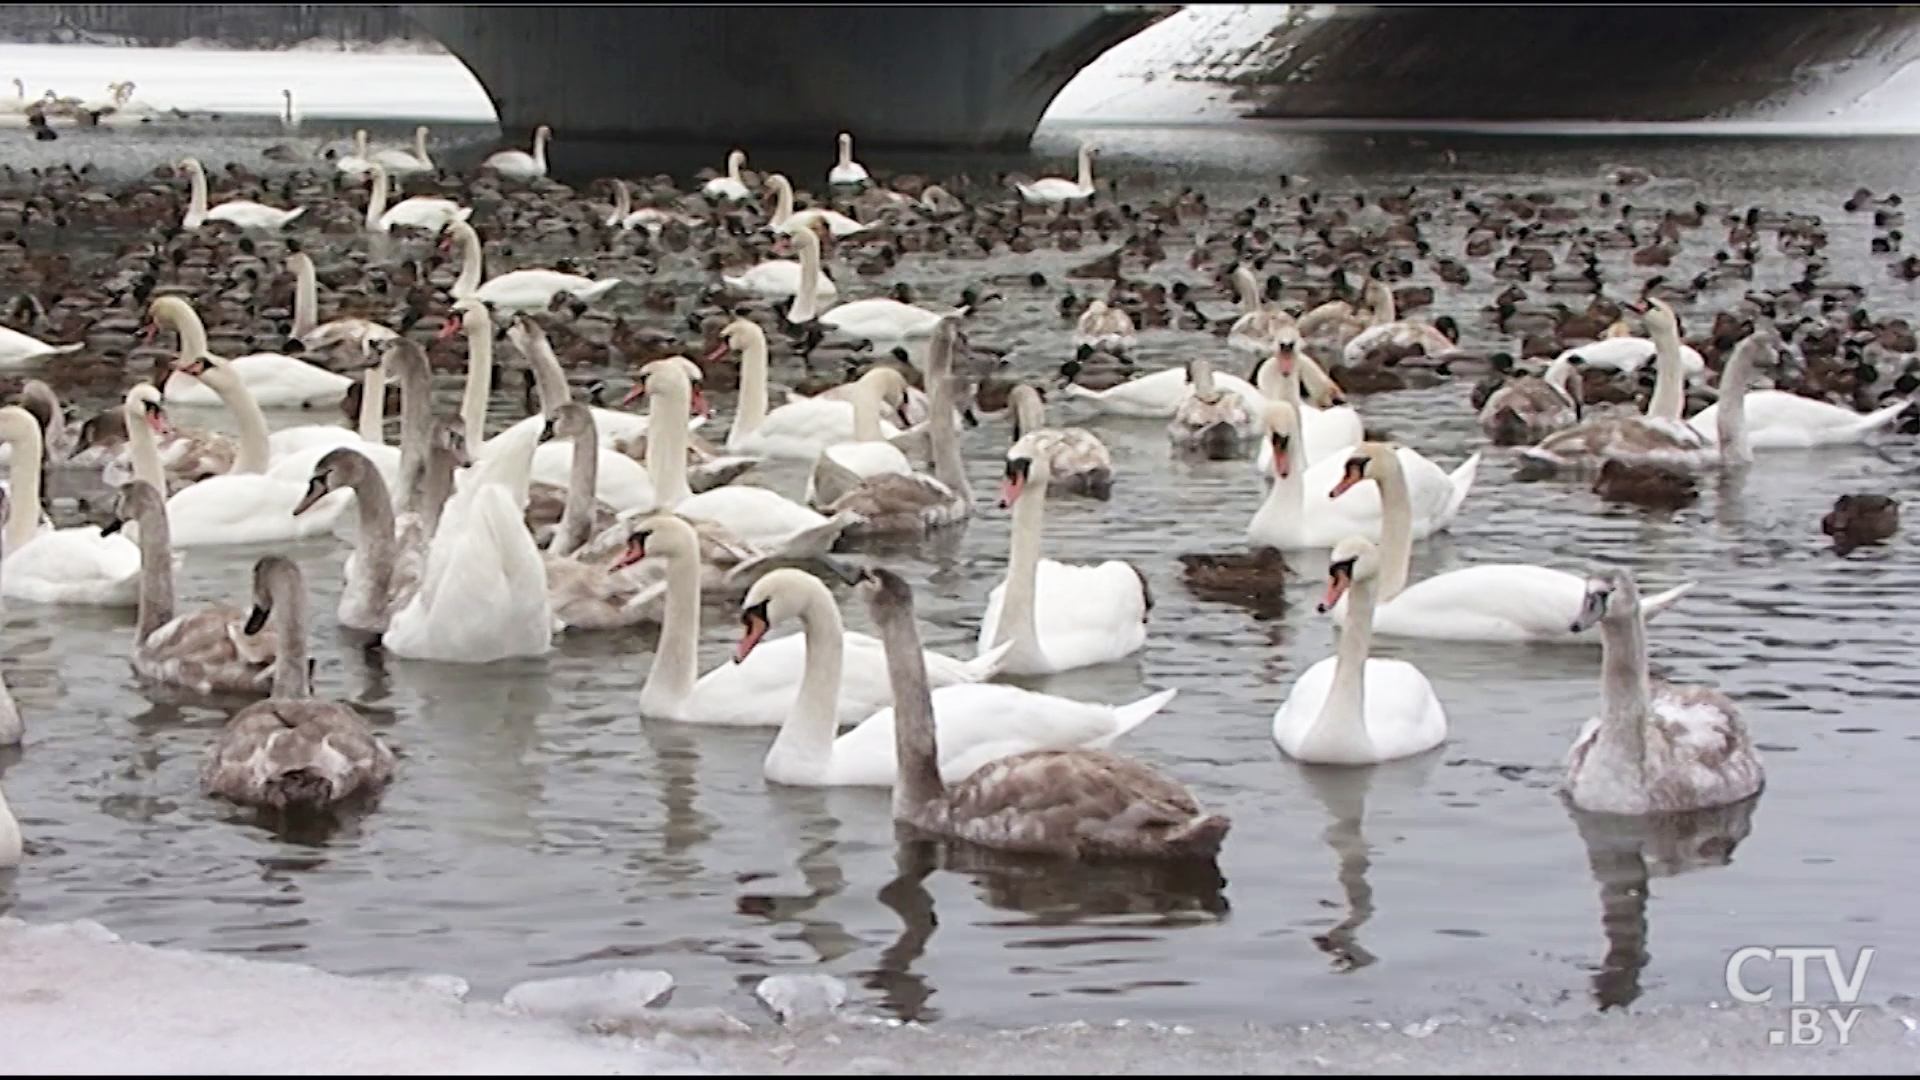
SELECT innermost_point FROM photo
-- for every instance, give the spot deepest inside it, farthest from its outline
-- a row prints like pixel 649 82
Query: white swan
pixel 728 188
pixel 398 162
pixel 1313 508
pixel 847 172
pixel 274 380
pixel 1156 396
pixel 1327 432
pixel 16 348
pixel 617 429
pixel 418 212
pixel 356 165
pixel 879 319
pixel 1778 420
pixel 1257 331
pixel 243 213
pixel 1080 463
pixel 1211 420
pixel 786 220
pixel 1388 329
pixel 1054 190
pixel 1659 436
pixel 905 501
pixel 1058 616
pixel 978 722
pixel 758 688
pixel 797 429
pixel 1498 602
pixel 516 290
pixel 1655 747
pixel 1352 709
pixel 650 218
pixel 1108 329
pixel 843 465
pixel 58 566
pixel 483 595
pixel 776 279
pixel 520 165
pixel 356 335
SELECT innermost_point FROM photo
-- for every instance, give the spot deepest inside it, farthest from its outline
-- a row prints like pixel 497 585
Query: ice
pixel 1175 70
pixel 73 999
pixel 608 998
pixel 801 998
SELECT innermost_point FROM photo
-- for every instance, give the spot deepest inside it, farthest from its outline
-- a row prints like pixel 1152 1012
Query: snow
pixel 76 999
pixel 1166 73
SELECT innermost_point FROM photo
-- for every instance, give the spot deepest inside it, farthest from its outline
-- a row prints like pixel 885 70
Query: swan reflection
pixel 1344 793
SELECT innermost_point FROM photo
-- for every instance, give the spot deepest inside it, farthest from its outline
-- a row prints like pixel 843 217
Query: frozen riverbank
pixel 74 998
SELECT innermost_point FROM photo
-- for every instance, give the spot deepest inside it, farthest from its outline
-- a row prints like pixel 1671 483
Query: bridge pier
pixel 947 78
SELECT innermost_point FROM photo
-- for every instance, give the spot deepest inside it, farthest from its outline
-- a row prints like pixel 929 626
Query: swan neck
pixel 667 443
pixel 1086 168
pixel 375 542
pixel 783 207
pixel 733 167
pixel 469 279
pixel 622 202
pixel 156 565
pixel 420 146
pixel 803 310
pixel 144 450
pixel 549 379
pixel 434 488
pixel 540 149
pixel 1248 288
pixel 1396 526
pixel 752 408
pixel 473 401
pixel 1385 308
pixel 948 466
pixel 1029 415
pixel 193 333
pixel 814 719
pixel 916 747
pixel 373 406
pixel 1017 621
pixel 290 676
pixel 866 412
pixel 676 666
pixel 1731 421
pixel 576 518
pixel 377 201
pixel 1625 692
pixel 23 488
pixel 255 454
pixel 197 208
pixel 1669 396
pixel 1343 717
pixel 306 301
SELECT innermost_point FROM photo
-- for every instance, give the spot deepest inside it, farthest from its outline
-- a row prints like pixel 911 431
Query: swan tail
pixel 804 546
pixel 1462 478
pixel 1128 717
pixel 297 788
pixel 58 350
pixel 988 664
pixel 1075 390
pixel 297 211
pixel 718 473
pixel 1199 838
pixel 1880 418
pixel 599 289
pixel 1659 602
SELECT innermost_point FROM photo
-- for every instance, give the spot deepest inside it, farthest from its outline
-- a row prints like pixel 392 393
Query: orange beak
pixel 1010 490
pixel 756 628
pixel 699 403
pixel 719 352
pixel 1281 465
pixel 1347 479
pixel 1337 583
pixel 157 420
pixel 447 331
pixel 639 391
pixel 636 550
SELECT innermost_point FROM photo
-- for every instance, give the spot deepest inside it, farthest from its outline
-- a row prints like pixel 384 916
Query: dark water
pixel 540 827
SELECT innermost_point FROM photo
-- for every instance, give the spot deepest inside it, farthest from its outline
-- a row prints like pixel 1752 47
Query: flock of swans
pixel 470 547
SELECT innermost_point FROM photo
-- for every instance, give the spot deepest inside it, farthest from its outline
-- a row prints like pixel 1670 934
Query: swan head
pixel 736 159
pixel 136 499
pixel 664 536
pixel 1026 468
pixel 670 376
pixel 174 311
pixel 1354 559
pixel 1659 317
pixel 151 406
pixel 786 593
pixel 570 421
pixel 1611 594
pixel 1365 463
pixel 889 386
pixel 1283 427
pixel 1286 348
pixel 403 354
pixel 276 580
pixel 191 166
pixel 738 335
pixel 888 595
pixel 342 467
pixel 471 315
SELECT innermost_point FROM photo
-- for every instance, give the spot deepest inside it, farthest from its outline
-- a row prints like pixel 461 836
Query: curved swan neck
pixel 916 746
pixel 469 279
pixel 583 479
pixel 1086 166
pixel 1396 525
pixel 1669 375
pixel 783 206
pixel 197 206
pixel 473 400
pixel 814 719
pixel 676 664
pixel 622 202
pixel 156 563
pixel 306 300
pixel 540 148
pixel 185 322
pixel 377 200
pixel 375 542
pixel 143 450
pixel 1017 621
pixel 1248 288
pixel 548 377
pixel 255 453
pixel 752 407
pixel 667 440
pixel 1029 415
pixel 373 406
pixel 420 146
pixel 1731 421
pixel 23 484
pixel 948 466
pixel 734 161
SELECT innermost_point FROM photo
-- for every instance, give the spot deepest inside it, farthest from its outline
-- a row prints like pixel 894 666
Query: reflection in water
pixel 1344 791
pixel 904 994
pixel 818 842
pixel 1625 853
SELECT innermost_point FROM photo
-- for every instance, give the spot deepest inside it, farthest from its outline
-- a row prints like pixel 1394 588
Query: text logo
pixel 1753 977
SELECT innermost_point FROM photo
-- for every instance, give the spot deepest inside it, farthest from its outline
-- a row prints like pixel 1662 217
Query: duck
pixel 879 319
pixel 798 429
pixel 786 219
pixel 1313 506
pixel 1077 804
pixel 291 752
pixel 978 721
pixel 1490 602
pixel 1650 484
pixel 1055 190
pixel 399 162
pixel 241 213
pixel 210 650
pixel 516 290
pixel 1656 747
pixel 1659 435
pixel 1255 579
pixel 273 380
pixel 1211 421
pixel 79 566
pixel 758 688
pixel 518 164
pixel 1859 520
pixel 1778 420
pixel 18 349
pixel 1077 461
pixel 419 212
pixel 1350 708
pixel 1059 616
pixel 728 188
pixel 896 502
pixel 1525 410
pixel 1107 329
pixel 847 172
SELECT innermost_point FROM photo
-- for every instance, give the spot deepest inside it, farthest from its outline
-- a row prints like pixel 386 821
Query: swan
pixel 185 457
pixel 248 505
pixel 1659 436
pixel 842 466
pixel 1655 747
pixel 1335 323
pixel 291 751
pixel 1349 708
pixel 483 594
pixel 312 334
pixel 1079 462
pixel 418 212
pixel 208 650
pixel 520 165
pixel 728 188
pixel 847 172
pixel 1257 330
pixel 978 722
pixel 1620 351
pixel 61 441
pixel 398 162
pixel 1074 804
pixel 274 380
pixel 617 429
pixel 81 565
pixel 1055 190
pixel 881 318
pixel 1210 420
pixel 1498 602
pixel 797 429
pixel 243 213
pixel 380 575
pixel 650 218
pixel 12 848
pixel 516 290
pixel 17 349
pixel 1530 408
pixel 588 592
pixel 1157 396
pixel 1059 616
pixel 1778 420
pixel 356 165
pixel 1107 329
pixel 758 687
pixel 904 501
pixel 776 279
pixel 1328 432
pixel 786 220
pixel 1389 330
pixel 1300 513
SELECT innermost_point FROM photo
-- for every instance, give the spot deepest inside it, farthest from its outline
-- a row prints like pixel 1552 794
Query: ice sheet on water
pixel 800 998
pixel 79 1000
pixel 607 998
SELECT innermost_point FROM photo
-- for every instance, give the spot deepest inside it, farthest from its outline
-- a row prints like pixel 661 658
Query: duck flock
pixel 473 546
